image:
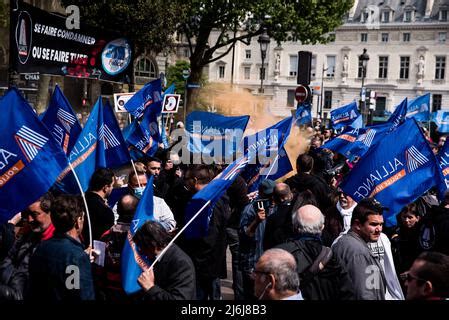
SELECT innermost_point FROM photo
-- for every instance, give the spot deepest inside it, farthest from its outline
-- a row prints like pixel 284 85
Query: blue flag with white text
pixel 132 262
pixel 61 120
pixel 441 119
pixel 344 116
pixel 30 159
pixel 347 144
pixel 443 160
pixel 269 144
pixel 303 114
pixel 399 114
pixel 149 94
pixel 398 170
pixel 419 108
pixel 213 134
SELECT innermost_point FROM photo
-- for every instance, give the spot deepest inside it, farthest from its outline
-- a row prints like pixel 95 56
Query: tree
pixel 307 21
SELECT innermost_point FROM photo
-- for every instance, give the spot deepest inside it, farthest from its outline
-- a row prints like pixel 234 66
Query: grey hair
pixel 282 266
pixel 302 226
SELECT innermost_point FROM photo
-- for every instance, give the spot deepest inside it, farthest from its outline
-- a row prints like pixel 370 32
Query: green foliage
pixel 150 24
pixel 174 75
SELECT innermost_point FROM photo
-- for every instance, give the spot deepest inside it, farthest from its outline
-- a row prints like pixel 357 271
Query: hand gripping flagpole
pixel 178 234
pixel 135 171
pixel 85 204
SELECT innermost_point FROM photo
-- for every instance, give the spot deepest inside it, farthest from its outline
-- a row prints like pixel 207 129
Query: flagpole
pixel 272 166
pixel 135 171
pixel 178 234
pixel 85 204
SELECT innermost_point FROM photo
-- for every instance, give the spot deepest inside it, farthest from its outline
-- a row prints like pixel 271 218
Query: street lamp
pixel 364 57
pixel 185 75
pixel 264 41
pixel 320 112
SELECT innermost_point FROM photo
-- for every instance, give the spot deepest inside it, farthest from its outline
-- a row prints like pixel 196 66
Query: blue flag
pixel 344 116
pixel 213 192
pixel 132 262
pixel 83 155
pixel 149 94
pixel 30 159
pixel 398 115
pixel 112 151
pixel 443 160
pixel 61 121
pixel 145 136
pixel 347 144
pixel 269 144
pixel 419 108
pixel 441 119
pixel 303 114
pixel 398 170
pixel 100 144
pixel 213 134
pixel 358 123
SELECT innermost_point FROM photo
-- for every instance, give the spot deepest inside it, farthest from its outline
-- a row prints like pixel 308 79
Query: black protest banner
pixel 41 43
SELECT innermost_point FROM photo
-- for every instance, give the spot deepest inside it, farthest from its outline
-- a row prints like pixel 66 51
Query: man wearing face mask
pixel 162 212
pixel 14 274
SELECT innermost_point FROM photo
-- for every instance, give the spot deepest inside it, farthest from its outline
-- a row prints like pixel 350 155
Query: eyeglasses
pixel 254 272
pixel 407 276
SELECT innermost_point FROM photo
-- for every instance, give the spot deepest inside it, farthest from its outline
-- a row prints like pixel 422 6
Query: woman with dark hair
pixel 404 241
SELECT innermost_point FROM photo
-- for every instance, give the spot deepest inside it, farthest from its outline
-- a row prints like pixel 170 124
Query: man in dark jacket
pixel 209 252
pixel 306 180
pixel 101 215
pixel 173 277
pixel 60 268
pixel 14 269
pixel 321 275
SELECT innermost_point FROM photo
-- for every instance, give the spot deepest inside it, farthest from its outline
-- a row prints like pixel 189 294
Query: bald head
pixel 278 257
pixel 308 220
pixel 282 193
pixel 126 208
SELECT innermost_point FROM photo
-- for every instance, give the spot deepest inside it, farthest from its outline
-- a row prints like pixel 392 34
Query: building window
pixel 291 98
pixel 360 69
pixel 248 54
pixel 145 68
pixel 441 37
pixel 247 72
pixel 328 99
pixel 384 37
pixel 383 67
pixel 408 16
pixel 330 72
pixel 293 66
pixel 364 37
pixel 440 66
pixel 364 16
pixel 443 15
pixel 436 102
pixel 405 66
pixel 406 37
pixel 313 68
pixel 221 72
pixel 386 16
pixel 262 73
pixel 186 53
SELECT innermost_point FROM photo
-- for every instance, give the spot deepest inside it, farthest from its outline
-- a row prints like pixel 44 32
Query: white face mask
pixel 138 192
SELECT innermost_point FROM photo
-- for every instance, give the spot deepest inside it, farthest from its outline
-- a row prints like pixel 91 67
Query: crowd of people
pixel 299 239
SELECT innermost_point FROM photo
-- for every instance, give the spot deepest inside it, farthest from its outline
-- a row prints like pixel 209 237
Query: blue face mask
pixel 138 192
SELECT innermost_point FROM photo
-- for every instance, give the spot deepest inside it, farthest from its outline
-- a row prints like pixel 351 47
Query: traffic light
pixel 304 67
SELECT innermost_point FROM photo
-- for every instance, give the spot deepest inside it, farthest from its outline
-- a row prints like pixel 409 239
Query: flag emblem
pixel 368 137
pixel 30 142
pixel 108 138
pixel 66 119
pixel 414 158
